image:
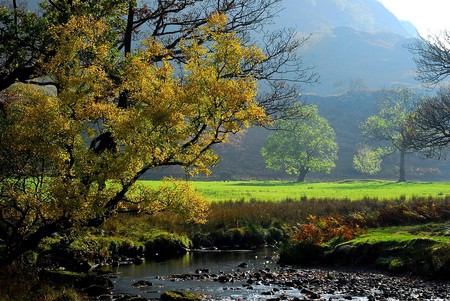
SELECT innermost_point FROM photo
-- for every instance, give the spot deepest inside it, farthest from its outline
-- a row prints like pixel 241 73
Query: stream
pixel 255 275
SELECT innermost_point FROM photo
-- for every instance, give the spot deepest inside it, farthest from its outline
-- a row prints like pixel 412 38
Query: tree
pixel 96 93
pixel 391 124
pixel 432 58
pixel 302 145
pixel 429 130
pixel 429 126
pixel 71 156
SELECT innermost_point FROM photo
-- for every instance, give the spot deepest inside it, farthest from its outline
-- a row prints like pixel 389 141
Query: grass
pixel 403 234
pixel 282 190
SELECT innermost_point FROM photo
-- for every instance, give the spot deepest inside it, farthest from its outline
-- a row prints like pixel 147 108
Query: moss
pixel 167 245
pixel 180 296
pixel 302 253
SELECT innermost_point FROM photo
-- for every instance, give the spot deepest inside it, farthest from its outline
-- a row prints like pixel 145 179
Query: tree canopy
pixel 391 125
pixel 302 145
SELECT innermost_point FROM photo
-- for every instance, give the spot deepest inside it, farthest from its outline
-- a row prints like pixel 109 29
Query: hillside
pixel 352 41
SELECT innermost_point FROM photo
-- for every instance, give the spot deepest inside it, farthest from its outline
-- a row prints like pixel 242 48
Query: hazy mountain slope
pixel 352 40
pixel 313 16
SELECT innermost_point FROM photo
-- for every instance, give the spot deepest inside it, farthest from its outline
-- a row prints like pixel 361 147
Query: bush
pixel 167 245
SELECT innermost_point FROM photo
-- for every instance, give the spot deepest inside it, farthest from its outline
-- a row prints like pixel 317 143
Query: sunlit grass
pixel 282 190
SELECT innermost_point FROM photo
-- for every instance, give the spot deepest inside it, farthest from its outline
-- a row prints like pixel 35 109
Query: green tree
pixel 391 124
pixel 302 145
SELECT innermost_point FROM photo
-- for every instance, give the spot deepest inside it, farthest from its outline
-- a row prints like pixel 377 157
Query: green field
pixel 279 191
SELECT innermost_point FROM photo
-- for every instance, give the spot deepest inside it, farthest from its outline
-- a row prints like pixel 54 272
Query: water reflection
pixel 216 262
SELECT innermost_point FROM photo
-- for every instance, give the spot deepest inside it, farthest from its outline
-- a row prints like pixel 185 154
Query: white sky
pixel 428 16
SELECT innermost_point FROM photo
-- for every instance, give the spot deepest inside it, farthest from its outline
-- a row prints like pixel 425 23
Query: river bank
pixel 257 276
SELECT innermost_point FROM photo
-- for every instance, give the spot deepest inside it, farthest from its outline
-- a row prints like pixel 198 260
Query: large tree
pixel 302 145
pixel 71 156
pixel 390 124
pixel 96 93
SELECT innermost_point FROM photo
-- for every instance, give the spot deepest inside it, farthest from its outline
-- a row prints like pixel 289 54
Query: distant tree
pixel 302 145
pixel 367 160
pixel 429 129
pixel 430 124
pixel 432 58
pixel 391 124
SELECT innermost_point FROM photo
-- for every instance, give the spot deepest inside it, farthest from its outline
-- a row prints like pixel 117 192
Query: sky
pixel 428 16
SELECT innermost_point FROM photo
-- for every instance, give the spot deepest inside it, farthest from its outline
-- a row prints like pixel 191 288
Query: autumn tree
pixel 302 145
pixel 390 124
pixel 73 154
pixel 96 93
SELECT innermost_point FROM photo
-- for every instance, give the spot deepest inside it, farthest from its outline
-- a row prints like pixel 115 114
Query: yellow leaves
pixel 178 197
pixel 153 113
pixel 217 20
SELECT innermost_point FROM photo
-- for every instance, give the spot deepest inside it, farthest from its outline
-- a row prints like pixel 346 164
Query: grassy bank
pixel 282 190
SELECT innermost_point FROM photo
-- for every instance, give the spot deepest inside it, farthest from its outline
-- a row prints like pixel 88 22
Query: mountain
pixel 352 41
pixel 313 16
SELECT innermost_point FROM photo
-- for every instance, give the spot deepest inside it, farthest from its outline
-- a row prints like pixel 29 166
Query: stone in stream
pixel 243 265
pixel 142 283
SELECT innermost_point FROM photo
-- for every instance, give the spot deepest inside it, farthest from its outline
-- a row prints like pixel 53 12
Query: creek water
pixel 357 285
pixel 217 262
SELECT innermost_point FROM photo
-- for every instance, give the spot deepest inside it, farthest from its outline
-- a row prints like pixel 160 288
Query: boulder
pixel 180 296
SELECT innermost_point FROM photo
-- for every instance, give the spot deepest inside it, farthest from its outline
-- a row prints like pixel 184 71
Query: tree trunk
pixel 129 28
pixel 402 165
pixel 302 175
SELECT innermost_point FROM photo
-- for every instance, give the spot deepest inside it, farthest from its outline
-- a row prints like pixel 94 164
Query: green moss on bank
pixel 422 250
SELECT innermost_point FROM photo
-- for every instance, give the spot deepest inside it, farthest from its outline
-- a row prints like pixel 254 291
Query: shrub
pixel 320 230
pixel 167 245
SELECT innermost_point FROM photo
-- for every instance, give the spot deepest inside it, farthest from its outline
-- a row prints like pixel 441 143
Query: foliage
pixel 302 145
pixel 391 123
pixel 367 160
pixel 325 229
pixel 73 157
pixel 167 245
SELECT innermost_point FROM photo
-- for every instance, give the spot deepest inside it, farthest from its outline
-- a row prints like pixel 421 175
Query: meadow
pixel 282 190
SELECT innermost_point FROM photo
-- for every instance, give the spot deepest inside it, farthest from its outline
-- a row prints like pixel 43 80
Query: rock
pixel 96 290
pixel 201 271
pixel 180 296
pixel 142 283
pixel 138 260
pixel 243 265
pixel 310 294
